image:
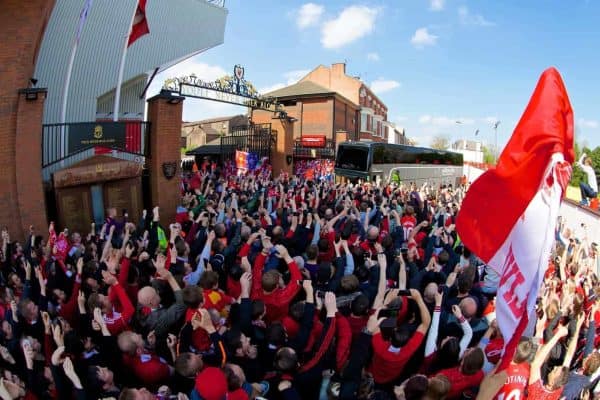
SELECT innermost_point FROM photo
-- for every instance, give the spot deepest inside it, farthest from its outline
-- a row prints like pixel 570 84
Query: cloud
pixel 295 75
pixel 373 57
pixel 270 88
pixel 383 85
pixel 489 120
pixel 436 5
pixel 196 109
pixel 423 38
pixel 309 15
pixel 351 24
pixel 588 123
pixel 445 121
pixel 466 18
pixel 202 70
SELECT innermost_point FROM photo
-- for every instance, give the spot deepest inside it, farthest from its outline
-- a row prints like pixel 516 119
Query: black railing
pixel 328 151
pixel 60 141
pixel 255 138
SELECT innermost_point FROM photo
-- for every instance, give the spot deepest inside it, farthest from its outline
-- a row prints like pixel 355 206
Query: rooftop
pixel 213 120
pixel 302 89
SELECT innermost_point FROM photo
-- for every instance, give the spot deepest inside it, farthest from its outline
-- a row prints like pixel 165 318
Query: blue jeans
pixel 586 192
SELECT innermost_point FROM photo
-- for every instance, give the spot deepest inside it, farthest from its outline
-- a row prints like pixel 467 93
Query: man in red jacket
pixel 147 366
pixel 467 375
pixel 391 356
pixel 267 286
pixel 117 318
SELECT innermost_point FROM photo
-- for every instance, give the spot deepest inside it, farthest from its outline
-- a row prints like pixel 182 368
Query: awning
pixel 211 149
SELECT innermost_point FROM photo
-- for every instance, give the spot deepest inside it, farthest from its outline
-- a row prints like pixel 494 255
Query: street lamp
pixel 496 139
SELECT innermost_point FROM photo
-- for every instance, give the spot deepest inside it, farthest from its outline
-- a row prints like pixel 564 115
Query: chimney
pixel 338 69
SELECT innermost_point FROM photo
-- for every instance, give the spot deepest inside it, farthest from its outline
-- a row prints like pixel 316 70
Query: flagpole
pixel 63 112
pixel 122 66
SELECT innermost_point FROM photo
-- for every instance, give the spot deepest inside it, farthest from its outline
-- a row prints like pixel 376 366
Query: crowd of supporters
pixel 286 288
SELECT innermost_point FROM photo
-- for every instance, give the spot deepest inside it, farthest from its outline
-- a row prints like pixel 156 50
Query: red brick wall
pixel 165 128
pixel 22 25
pixel 28 173
pixel 317 117
pixel 340 116
pixel 344 117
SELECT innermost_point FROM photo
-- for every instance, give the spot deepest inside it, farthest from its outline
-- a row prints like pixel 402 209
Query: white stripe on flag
pixel 523 258
pixel 82 17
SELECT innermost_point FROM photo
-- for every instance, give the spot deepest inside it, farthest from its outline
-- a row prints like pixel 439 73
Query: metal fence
pixel 327 152
pixel 62 141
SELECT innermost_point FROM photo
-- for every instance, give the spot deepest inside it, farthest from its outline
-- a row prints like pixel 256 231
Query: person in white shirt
pixel 589 189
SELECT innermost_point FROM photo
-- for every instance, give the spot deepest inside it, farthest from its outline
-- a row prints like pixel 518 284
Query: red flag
pixel 140 24
pixel 509 214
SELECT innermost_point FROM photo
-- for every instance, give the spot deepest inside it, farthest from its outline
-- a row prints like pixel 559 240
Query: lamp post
pixel 496 140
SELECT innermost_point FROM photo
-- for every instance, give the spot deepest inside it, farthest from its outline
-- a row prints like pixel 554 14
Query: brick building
pixel 372 117
pixel 198 133
pixel 322 117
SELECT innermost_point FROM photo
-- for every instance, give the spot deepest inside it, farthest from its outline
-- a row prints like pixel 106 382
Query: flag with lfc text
pixel 140 24
pixel 509 214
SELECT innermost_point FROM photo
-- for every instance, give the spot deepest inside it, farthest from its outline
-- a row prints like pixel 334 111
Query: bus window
pixel 378 154
pixel 352 158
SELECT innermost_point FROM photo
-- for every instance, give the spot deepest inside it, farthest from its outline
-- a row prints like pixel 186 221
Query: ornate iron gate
pixel 255 138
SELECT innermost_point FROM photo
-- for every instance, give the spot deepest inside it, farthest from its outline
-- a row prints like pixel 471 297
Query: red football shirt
pixel 460 382
pixel 538 391
pixel 388 365
pixel 517 380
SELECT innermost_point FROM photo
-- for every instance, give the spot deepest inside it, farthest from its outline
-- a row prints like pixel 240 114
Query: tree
pixel 488 155
pixel 440 143
pixel 578 174
pixel 411 142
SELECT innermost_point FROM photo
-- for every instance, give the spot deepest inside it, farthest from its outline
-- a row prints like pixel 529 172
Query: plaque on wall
pixel 96 169
pixel 74 209
pixel 124 194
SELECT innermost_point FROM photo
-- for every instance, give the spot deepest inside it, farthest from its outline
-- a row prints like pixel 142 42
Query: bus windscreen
pixel 352 158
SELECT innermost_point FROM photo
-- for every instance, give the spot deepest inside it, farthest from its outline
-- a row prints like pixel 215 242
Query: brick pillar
pixel 164 115
pixel 28 158
pixel 284 148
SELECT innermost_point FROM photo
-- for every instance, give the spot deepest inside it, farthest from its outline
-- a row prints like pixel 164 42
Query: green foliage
pixel 578 174
pixel 488 155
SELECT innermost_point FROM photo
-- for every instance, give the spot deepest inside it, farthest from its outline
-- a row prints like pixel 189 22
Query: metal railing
pixel 301 151
pixel 62 141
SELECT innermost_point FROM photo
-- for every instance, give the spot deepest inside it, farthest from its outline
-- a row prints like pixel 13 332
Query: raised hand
pixel 57 335
pixel 330 304
pixel 159 263
pixel 57 355
pixel 246 284
pixel 172 341
pixel 151 338
pixel 46 320
pixel 129 250
pixel 457 312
